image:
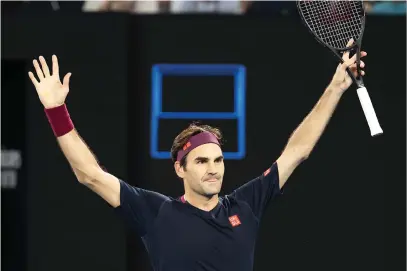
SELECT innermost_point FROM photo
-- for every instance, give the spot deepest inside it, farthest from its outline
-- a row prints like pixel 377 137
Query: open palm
pixel 50 90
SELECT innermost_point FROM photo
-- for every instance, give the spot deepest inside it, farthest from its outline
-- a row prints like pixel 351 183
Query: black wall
pixel 343 209
pixel 67 227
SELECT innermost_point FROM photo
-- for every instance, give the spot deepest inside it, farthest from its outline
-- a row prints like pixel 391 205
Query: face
pixel 204 170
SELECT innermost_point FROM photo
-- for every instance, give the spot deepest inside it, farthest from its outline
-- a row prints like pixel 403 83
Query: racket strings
pixel 334 22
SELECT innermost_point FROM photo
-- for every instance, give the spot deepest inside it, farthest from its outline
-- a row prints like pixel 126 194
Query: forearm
pixel 78 154
pixel 305 137
pixel 52 94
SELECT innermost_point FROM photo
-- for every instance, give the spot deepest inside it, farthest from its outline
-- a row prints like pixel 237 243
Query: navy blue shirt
pixel 179 236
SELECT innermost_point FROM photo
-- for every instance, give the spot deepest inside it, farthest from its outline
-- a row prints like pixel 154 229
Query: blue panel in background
pixel 239 113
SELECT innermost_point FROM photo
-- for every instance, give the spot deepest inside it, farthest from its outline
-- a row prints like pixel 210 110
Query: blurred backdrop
pixel 343 209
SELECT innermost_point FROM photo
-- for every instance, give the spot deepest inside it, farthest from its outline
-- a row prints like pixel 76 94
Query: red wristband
pixel 60 120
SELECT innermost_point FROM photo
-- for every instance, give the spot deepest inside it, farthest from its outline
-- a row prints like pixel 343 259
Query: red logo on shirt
pixel 234 220
pixel 267 172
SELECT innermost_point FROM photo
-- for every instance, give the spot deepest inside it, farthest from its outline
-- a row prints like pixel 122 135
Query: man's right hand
pixel 51 91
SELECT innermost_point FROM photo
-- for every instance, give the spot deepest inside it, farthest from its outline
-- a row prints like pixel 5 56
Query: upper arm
pixel 139 207
pixel 288 161
pixel 105 185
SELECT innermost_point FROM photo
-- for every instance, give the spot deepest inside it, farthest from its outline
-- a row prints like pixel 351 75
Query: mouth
pixel 213 180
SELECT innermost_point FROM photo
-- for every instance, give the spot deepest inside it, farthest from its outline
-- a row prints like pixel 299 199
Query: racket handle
pixel 369 111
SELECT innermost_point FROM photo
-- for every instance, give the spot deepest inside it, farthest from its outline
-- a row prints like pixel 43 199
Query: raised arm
pixel 305 137
pixel 52 94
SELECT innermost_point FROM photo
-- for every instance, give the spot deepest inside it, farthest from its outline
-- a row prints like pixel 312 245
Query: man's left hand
pixel 341 80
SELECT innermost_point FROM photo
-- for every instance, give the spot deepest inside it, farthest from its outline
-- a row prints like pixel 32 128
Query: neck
pixel 201 202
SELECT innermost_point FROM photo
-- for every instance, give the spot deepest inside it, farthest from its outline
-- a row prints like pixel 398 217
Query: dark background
pixel 343 209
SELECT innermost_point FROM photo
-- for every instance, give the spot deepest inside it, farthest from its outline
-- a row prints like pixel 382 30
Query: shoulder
pixel 132 194
pixel 231 202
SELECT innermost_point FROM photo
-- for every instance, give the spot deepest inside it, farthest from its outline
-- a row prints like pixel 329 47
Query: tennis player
pixel 200 230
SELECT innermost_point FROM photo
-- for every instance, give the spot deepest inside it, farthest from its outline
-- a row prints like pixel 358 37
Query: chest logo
pixel 234 220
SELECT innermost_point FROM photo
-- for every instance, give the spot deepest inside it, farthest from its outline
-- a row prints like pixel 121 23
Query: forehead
pixel 209 150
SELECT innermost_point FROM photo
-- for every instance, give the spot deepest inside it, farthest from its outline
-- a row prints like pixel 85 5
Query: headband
pixel 195 141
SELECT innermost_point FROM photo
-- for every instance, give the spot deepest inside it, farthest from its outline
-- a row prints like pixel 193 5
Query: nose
pixel 212 169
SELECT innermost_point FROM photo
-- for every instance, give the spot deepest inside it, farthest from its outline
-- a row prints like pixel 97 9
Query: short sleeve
pixel 258 192
pixel 139 207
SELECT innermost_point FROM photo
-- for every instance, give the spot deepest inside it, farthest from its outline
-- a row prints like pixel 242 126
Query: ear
pixel 179 170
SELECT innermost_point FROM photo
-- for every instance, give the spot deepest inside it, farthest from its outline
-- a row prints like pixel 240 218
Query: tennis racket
pixel 334 23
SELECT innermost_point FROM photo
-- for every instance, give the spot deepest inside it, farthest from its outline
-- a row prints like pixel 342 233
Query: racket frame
pixel 354 48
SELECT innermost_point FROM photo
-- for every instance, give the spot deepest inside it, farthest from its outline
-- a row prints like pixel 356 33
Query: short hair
pixel 182 138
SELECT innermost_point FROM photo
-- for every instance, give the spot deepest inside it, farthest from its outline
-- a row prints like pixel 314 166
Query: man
pixel 200 230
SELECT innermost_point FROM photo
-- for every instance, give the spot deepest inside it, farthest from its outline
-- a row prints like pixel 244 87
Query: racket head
pixel 334 23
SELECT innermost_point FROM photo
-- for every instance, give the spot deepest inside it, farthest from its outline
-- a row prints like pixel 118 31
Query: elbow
pixel 301 158
pixel 304 157
pixel 83 178
pixel 306 153
pixel 301 153
pixel 86 175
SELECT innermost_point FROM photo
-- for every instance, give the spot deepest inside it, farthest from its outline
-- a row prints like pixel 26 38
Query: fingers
pixel 362 63
pixel 44 66
pixel 353 69
pixel 352 60
pixel 350 63
pixel 350 42
pixel 38 70
pixel 66 79
pixel 43 70
pixel 33 79
pixel 355 72
pixel 55 66
pixel 345 55
pixel 346 64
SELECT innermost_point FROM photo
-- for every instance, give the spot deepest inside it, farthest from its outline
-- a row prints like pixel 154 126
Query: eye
pixel 219 160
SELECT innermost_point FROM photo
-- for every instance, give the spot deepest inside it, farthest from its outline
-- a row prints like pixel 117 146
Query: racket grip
pixel 369 111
